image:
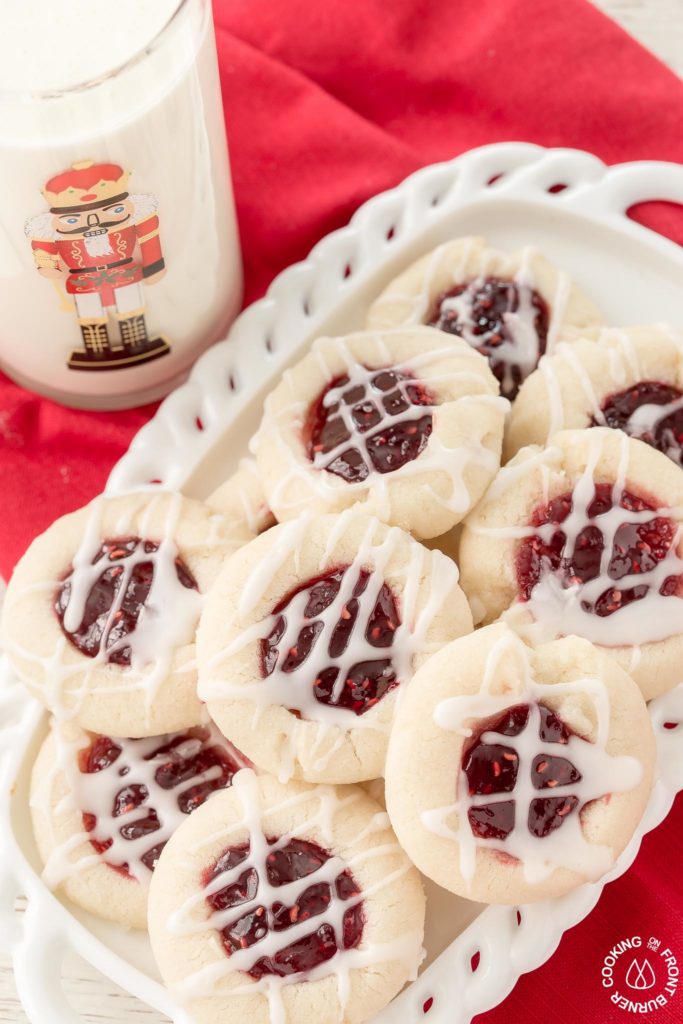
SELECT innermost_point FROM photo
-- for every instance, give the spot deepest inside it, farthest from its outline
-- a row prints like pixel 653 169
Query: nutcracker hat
pixel 86 185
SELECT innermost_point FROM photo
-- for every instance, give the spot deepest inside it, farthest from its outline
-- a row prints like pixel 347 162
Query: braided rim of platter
pixel 508 940
pixel 266 337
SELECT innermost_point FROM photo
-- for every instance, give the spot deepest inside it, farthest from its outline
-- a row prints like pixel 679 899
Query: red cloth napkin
pixel 327 104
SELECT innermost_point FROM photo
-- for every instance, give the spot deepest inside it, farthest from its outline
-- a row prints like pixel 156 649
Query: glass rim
pixel 58 92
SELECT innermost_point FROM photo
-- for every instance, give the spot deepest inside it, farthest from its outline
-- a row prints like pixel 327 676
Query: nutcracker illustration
pixel 102 243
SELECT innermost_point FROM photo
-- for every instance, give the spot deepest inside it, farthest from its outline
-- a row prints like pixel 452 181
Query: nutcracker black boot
pixel 99 353
pixel 137 345
pixel 96 351
pixel 134 333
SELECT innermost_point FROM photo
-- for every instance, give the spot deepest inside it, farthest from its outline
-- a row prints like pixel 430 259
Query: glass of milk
pixel 119 252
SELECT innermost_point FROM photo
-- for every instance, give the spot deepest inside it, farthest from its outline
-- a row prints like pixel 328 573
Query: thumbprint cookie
pixel 309 635
pixel 406 425
pixel 100 615
pixel 104 808
pixel 286 903
pixel 627 378
pixel 511 307
pixel 584 538
pixel 535 766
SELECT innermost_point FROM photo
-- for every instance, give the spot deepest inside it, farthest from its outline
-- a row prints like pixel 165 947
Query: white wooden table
pixel 657 24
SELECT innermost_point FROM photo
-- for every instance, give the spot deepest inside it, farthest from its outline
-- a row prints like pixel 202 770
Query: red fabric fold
pixel 326 105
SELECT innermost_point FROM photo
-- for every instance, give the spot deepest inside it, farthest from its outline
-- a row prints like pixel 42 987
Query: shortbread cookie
pixel 309 634
pixel 511 307
pixel 100 615
pixel 242 497
pixel 104 808
pixel 535 766
pixel 583 538
pixel 286 903
pixel 405 425
pixel 630 379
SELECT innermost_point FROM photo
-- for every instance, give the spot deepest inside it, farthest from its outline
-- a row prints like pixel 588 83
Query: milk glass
pixel 119 252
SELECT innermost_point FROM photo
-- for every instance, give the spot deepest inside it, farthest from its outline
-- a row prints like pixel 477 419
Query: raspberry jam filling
pixel 367 681
pixel 637 549
pixel 479 312
pixel 492 769
pixel 125 567
pixel 376 417
pixel 662 430
pixel 295 860
pixel 181 758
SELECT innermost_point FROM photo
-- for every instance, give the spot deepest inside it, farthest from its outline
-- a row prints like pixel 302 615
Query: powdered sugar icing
pixel 294 690
pixel 189 918
pixel 95 793
pixel 437 456
pixel 601 773
pixel 167 621
pixel 474 264
pixel 557 609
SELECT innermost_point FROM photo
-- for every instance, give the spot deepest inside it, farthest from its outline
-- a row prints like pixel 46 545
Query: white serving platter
pixel 508 193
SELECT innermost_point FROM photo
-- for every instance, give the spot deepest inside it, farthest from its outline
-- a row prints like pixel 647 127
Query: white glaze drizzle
pixel 601 773
pixel 252 828
pixel 294 690
pixel 555 406
pixel 436 456
pixel 166 623
pixel 646 419
pixel 544 459
pixel 624 371
pixel 622 363
pixel 95 793
pixel 555 608
pixel 472 268
pixel 360 376
pixel 568 354
pixel 170 613
pixel 520 349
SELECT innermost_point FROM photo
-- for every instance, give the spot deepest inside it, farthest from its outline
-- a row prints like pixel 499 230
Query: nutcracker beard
pixel 98 244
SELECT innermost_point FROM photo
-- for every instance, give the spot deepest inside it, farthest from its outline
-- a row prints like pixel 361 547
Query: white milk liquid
pixel 161 119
